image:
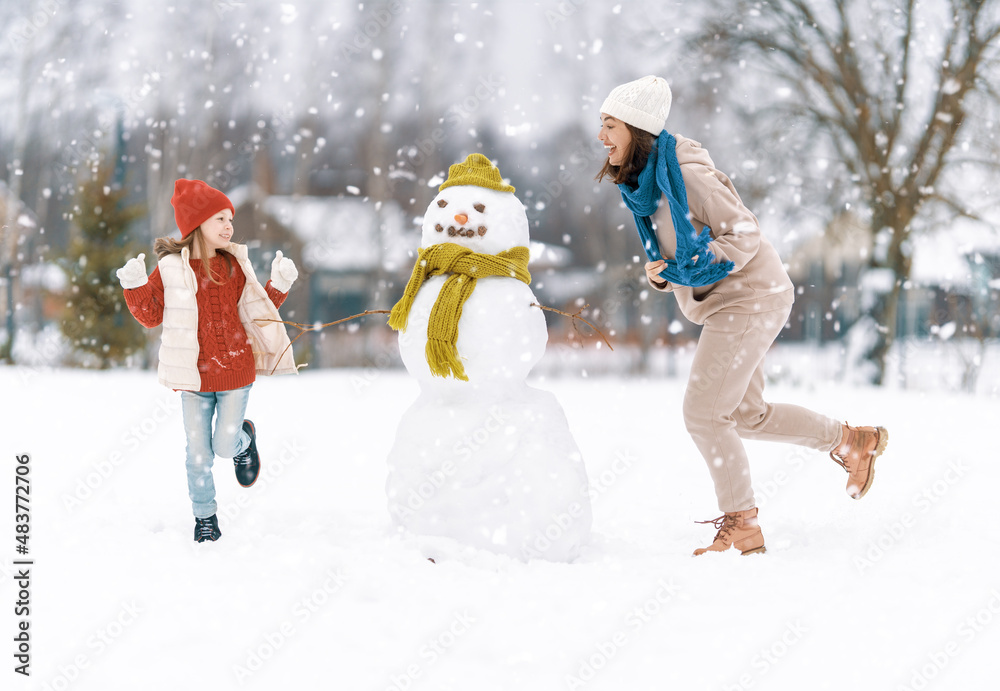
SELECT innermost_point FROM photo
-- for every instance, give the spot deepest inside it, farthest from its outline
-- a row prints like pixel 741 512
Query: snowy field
pixel 310 588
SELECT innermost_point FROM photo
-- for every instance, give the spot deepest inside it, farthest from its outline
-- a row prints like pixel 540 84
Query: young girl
pixel 729 278
pixel 206 295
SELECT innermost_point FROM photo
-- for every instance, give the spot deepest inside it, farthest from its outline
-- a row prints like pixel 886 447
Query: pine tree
pixel 97 321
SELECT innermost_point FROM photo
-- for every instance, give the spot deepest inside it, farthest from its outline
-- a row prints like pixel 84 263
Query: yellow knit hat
pixel 476 170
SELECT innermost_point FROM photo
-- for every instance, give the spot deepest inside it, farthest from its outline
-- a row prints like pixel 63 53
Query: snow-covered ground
pixel 310 588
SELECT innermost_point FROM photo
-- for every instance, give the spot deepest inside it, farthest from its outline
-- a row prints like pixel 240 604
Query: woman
pixel 707 249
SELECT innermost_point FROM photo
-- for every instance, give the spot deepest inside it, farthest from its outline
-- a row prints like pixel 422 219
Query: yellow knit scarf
pixel 465 266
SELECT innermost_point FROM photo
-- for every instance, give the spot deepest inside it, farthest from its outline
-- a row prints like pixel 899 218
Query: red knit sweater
pixel 225 359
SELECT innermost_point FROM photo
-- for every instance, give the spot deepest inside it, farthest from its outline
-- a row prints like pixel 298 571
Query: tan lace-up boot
pixel 857 453
pixel 738 529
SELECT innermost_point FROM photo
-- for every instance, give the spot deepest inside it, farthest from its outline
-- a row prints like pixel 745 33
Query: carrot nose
pixel 461 218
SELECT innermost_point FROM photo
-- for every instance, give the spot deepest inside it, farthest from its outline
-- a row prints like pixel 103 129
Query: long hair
pixel 194 241
pixel 634 160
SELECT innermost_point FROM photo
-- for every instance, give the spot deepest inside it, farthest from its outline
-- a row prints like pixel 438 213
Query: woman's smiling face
pixel 615 137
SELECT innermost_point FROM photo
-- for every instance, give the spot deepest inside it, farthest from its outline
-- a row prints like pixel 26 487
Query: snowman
pixel 481 459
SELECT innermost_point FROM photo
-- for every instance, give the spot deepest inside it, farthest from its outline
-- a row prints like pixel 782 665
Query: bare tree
pixel 887 86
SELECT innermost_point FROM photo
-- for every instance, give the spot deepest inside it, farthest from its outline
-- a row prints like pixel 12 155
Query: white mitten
pixel 283 272
pixel 133 274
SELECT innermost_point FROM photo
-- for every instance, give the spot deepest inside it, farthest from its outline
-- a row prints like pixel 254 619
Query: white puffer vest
pixel 178 368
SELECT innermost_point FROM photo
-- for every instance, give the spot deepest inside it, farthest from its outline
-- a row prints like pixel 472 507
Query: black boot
pixel 248 462
pixel 207 529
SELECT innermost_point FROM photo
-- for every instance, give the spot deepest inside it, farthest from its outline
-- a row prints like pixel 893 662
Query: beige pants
pixel 724 403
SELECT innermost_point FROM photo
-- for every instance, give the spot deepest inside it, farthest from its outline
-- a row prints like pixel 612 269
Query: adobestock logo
pixel 276 639
pixel 165 410
pixel 290 452
pixel 433 650
pixel 100 640
pixel 766 658
pixel 418 496
pixel 923 501
pixel 24 29
pixel 375 23
pixel 937 661
pixel 605 650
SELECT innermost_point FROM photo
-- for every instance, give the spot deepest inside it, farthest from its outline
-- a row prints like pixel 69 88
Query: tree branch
pixel 303 328
pixel 904 79
pixel 955 206
pixel 575 315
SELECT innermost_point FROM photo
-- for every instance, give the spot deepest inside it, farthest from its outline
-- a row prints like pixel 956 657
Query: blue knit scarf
pixel 694 264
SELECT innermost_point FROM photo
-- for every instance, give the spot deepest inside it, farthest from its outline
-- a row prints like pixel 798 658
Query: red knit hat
pixel 194 203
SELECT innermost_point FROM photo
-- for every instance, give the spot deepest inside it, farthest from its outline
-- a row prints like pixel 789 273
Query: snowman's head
pixel 484 220
pixel 476 209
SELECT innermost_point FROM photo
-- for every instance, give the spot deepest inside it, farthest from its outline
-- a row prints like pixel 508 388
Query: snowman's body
pixel 489 462
pixel 500 336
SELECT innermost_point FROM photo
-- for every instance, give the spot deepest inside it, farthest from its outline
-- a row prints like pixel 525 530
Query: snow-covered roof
pixel 946 258
pixel 344 234
pixel 337 232
pixel 543 255
pixel 25 217
pixel 45 275
pixel 566 284
pixel 245 193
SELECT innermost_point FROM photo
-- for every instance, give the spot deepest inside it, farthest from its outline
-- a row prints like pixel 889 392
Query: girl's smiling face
pixel 615 137
pixel 217 231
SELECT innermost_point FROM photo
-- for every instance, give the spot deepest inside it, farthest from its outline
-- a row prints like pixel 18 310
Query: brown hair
pixel 634 160
pixel 194 240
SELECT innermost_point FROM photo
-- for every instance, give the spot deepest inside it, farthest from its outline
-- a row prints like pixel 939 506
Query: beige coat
pixel 178 368
pixel 758 282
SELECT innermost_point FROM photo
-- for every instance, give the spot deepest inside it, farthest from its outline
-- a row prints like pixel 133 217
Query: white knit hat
pixel 643 103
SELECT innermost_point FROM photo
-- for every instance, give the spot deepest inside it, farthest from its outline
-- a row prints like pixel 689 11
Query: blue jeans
pixel 198 409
